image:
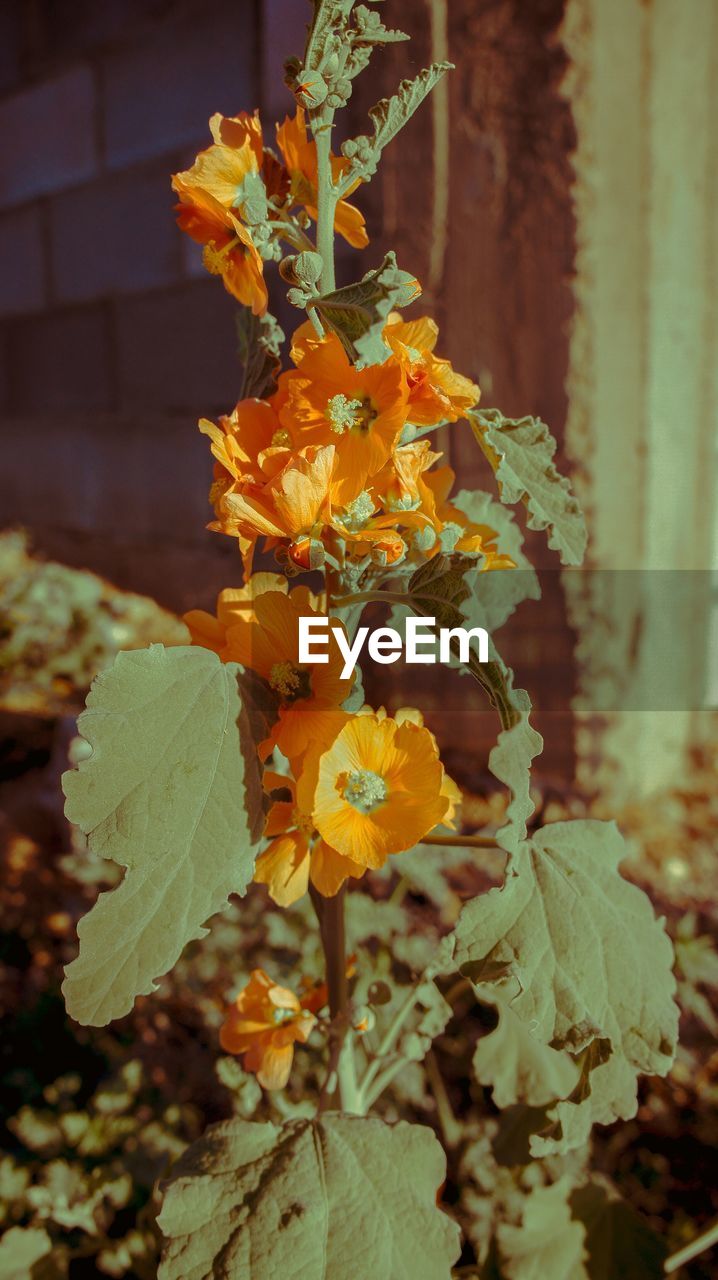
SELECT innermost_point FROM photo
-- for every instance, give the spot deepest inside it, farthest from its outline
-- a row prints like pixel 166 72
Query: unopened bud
pixel 310 89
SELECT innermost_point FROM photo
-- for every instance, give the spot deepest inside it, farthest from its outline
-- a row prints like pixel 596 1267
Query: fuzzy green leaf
pixel 171 792
pixel 519 1066
pixel 340 1196
pixel 620 1245
pixel 391 114
pixel 493 596
pixel 358 312
pixel 581 957
pixel 329 17
pixel 520 451
pixel 510 762
pixel 548 1242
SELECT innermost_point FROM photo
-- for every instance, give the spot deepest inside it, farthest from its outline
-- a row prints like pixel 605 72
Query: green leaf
pixel 337 1196
pixel 358 312
pixel 520 451
pixel 391 114
pixel 20 1249
pixel 581 957
pixel 620 1245
pixel 259 341
pixel 548 1242
pixel 510 762
pixel 329 16
pixel 519 1066
pixel 171 792
pixel 493 596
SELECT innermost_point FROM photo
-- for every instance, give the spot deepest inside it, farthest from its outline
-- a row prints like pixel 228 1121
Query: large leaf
pixel 521 451
pixel 518 1065
pixel 172 793
pixel 358 312
pixel 620 1244
pixel 549 1243
pixel 338 1196
pixel 578 952
pixel 510 762
pixel 493 596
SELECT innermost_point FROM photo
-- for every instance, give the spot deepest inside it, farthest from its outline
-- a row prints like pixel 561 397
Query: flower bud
pixel 308 553
pixel 364 1019
pixel 310 89
pixel 308 267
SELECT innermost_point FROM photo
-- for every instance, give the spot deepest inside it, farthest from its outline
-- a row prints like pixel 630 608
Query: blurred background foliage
pixel 91 1119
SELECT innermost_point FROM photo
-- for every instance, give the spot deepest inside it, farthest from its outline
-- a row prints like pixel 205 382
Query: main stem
pixel 326 198
pixel 341 1086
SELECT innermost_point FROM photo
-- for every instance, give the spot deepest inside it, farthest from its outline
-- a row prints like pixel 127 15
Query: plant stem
pixel 471 842
pixel 340 1088
pixel 450 1127
pixel 704 1241
pixel 326 199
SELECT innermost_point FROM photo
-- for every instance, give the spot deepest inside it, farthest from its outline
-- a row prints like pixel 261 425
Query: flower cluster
pixel 329 464
pixel 328 467
pixel 239 201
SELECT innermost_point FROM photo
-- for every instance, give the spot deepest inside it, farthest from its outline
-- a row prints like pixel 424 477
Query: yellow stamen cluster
pixel 356 513
pixel 365 790
pixel 285 679
pixel 343 413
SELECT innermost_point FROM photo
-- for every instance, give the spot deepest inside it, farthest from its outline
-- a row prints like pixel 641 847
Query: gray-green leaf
pixel 337 1196
pixel 358 312
pixel 171 792
pixel 520 451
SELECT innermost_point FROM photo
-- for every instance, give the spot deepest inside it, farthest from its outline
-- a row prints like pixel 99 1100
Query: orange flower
pixel 293 505
pixel 213 193
pixel 229 250
pixel 458 532
pixel 233 603
pixel 300 157
pixel 360 411
pixel 436 392
pixel 263 1025
pixel 297 854
pixel 268 643
pixel 245 442
pixel 376 790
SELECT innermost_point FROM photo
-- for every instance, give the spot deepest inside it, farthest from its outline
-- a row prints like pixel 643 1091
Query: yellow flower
pixel 449 788
pixel 263 1025
pixel 300 157
pixel 436 393
pixel 297 854
pixel 361 412
pixel 292 506
pixel 377 790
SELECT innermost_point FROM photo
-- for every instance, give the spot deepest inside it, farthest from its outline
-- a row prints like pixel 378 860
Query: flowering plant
pixel 230 760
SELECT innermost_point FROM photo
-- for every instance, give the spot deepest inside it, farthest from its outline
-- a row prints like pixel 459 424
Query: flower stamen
pixel 365 790
pixel 289 681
